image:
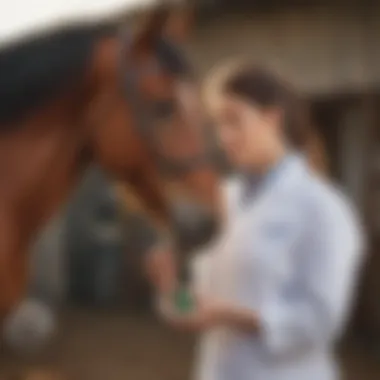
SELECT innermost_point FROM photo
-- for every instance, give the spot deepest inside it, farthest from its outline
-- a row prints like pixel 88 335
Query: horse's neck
pixel 43 162
pixel 67 137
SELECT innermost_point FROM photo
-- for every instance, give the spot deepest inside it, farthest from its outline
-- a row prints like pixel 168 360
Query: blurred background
pixel 86 264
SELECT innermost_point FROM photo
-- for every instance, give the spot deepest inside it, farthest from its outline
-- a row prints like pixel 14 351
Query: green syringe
pixel 183 300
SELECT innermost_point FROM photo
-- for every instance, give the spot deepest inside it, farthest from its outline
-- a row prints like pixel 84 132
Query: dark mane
pixel 37 69
pixel 40 68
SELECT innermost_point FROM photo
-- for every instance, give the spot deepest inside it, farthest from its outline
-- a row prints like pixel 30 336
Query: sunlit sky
pixel 21 17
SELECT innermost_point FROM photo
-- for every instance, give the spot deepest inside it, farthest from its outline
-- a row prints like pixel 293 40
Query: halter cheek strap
pixel 144 120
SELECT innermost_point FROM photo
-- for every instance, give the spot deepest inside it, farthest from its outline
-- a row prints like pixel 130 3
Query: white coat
pixel 291 254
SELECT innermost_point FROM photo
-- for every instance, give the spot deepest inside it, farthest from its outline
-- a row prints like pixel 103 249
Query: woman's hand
pixel 210 313
pixel 207 314
pixel 161 269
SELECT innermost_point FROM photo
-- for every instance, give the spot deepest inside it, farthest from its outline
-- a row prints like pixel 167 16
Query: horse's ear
pixel 167 21
pixel 152 28
pixel 179 24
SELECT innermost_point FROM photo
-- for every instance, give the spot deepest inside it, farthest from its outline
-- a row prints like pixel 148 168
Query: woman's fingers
pixel 160 268
pixel 168 311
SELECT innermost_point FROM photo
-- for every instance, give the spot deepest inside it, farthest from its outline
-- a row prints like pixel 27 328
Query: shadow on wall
pixel 90 253
pixel 103 245
pixel 48 281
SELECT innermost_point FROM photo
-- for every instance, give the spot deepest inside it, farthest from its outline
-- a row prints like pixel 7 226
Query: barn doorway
pixel 343 123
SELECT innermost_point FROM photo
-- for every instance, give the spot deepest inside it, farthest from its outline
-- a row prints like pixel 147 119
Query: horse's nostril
pixel 194 226
pixel 191 239
pixel 208 228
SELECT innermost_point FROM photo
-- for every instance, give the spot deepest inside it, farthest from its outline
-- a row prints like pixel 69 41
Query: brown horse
pixel 87 94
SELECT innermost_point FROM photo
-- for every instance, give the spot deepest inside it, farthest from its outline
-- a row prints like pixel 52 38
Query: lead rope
pixel 166 241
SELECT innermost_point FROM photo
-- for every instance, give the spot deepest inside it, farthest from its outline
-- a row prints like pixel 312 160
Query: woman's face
pixel 248 134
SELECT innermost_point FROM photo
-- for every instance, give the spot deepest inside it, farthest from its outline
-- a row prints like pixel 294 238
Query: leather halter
pixel 144 120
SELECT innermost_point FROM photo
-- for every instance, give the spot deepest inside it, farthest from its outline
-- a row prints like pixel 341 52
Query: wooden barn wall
pixel 369 311
pixel 321 49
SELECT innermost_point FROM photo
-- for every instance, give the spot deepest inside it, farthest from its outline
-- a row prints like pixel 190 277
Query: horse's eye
pixel 164 109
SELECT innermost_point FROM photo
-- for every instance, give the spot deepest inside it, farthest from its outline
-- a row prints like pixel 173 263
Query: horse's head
pixel 149 130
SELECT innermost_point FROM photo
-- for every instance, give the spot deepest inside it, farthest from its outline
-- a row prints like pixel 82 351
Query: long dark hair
pixel 263 88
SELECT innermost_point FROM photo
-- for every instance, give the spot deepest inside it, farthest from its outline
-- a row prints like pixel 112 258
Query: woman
pixel 274 292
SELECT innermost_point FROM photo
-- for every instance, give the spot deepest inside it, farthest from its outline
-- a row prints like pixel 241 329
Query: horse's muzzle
pixel 194 226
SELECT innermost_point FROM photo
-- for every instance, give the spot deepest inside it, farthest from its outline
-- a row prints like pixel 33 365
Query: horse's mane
pixel 38 68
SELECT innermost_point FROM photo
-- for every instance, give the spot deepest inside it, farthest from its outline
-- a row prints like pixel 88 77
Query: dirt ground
pixel 97 346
